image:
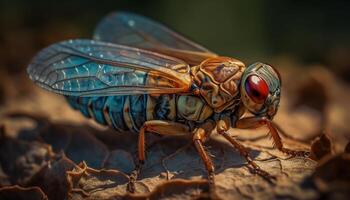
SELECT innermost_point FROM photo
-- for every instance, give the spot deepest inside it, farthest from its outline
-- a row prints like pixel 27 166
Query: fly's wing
pixel 137 31
pixel 93 68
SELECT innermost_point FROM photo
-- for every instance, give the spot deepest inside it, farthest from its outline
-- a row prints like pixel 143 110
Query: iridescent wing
pixel 137 31
pixel 93 68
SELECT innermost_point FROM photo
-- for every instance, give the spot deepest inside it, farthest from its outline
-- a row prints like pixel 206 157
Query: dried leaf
pixel 4 179
pixel 332 176
pixel 77 142
pixel 176 189
pixel 320 147
pixel 20 160
pixel 347 148
pixel 17 193
pixel 52 178
pixel 88 183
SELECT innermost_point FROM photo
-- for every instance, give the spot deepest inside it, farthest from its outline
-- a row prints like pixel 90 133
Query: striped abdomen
pixel 125 113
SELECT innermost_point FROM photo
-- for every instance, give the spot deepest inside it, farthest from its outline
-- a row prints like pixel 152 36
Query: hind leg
pixel 154 126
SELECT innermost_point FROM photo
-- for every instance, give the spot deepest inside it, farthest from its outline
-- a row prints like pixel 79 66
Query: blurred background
pixel 311 32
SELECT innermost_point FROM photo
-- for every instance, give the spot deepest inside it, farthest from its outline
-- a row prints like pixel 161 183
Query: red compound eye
pixel 256 88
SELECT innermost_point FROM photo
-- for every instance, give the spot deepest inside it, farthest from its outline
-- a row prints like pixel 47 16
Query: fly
pixel 137 75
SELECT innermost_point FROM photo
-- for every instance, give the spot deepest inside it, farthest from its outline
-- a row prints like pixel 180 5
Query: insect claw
pixel 295 153
pixel 258 171
pixel 131 187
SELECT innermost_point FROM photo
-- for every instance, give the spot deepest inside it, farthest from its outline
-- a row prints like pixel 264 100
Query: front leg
pixel 155 126
pixel 222 128
pixel 255 122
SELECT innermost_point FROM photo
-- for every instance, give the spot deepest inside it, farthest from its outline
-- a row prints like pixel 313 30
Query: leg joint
pixel 200 135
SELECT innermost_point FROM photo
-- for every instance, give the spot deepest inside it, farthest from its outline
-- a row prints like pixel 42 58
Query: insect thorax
pixel 218 81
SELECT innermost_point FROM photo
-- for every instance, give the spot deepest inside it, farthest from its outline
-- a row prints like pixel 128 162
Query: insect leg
pixel 155 126
pixel 222 127
pixel 200 135
pixel 254 122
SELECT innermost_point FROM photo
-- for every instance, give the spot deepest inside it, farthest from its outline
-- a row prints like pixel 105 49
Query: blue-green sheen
pixel 113 106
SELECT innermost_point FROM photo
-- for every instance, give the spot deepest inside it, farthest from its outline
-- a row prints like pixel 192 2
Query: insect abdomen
pixel 127 112
pixel 89 106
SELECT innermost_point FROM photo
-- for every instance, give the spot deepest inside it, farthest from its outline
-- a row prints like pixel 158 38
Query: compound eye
pixel 256 89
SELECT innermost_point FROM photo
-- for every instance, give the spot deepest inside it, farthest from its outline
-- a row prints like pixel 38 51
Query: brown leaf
pixel 4 179
pixel 176 189
pixel 332 176
pixel 88 183
pixel 78 143
pixel 320 147
pixel 347 148
pixel 20 160
pixel 52 178
pixel 17 193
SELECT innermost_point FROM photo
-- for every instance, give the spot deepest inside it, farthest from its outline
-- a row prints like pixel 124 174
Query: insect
pixel 137 75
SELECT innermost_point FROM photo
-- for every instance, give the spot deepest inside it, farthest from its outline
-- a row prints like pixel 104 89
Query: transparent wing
pixel 93 68
pixel 137 31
